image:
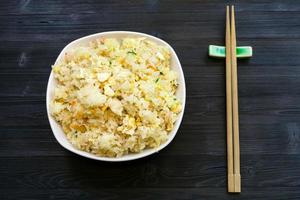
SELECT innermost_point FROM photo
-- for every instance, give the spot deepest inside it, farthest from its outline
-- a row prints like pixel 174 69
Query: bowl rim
pixel 133 156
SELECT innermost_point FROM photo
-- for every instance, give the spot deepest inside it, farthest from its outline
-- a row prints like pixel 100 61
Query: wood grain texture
pixel 34 166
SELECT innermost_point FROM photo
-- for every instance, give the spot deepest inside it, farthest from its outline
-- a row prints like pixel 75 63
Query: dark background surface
pixel 34 166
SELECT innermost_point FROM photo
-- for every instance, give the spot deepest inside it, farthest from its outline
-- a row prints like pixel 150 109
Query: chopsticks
pixel 230 177
pixel 233 144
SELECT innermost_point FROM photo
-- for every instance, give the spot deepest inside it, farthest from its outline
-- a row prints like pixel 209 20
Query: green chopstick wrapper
pixel 220 51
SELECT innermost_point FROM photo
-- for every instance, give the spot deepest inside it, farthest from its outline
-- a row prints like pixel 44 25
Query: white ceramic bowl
pixel 175 65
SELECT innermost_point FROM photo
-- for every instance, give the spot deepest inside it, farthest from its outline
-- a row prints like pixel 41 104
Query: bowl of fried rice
pixel 116 96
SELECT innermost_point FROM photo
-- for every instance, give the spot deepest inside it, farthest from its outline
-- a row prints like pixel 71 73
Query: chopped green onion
pixel 132 52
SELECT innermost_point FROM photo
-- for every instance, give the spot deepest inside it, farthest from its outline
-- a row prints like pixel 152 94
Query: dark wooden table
pixel 34 166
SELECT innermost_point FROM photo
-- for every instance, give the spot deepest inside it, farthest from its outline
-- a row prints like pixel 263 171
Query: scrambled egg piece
pixel 115 97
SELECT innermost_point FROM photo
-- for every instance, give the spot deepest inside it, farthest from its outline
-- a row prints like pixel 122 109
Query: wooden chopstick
pixel 233 144
pixel 230 180
pixel 236 140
